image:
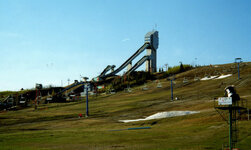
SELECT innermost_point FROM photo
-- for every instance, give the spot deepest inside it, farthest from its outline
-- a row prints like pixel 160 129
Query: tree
pixel 181 67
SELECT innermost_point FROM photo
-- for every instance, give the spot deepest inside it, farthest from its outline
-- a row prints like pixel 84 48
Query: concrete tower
pixel 153 39
pixel 129 66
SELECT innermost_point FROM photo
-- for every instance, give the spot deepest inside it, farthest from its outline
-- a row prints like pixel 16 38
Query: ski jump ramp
pixel 150 45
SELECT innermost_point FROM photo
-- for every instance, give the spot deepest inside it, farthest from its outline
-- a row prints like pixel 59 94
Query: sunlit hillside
pixel 58 125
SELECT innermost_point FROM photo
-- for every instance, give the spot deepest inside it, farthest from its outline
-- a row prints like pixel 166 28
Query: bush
pixel 174 70
pixel 138 78
pixel 135 78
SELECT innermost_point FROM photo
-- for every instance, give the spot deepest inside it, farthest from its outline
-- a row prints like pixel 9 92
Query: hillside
pixel 57 125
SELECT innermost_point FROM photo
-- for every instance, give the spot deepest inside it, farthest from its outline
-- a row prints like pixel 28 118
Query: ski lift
pixel 185 80
pixel 128 90
pixel 159 85
pixel 145 87
pixel 112 91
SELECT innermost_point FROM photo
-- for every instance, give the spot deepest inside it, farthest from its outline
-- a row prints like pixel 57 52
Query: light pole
pixel 86 88
pixel 68 81
pixel 80 77
pixel 238 61
pixel 166 67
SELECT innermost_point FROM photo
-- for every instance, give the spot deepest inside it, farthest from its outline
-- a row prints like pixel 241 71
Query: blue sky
pixel 49 41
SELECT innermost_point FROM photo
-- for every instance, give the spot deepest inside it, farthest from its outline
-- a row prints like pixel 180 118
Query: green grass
pixel 57 126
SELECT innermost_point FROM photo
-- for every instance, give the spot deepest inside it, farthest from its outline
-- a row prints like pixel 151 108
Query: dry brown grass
pixel 57 126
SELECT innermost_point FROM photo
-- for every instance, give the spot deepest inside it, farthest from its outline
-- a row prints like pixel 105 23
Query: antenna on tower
pixel 155 27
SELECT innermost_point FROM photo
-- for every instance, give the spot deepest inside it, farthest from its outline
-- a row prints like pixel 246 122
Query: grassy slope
pixel 57 126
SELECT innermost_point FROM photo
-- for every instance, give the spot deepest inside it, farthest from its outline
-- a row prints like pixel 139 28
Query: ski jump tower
pixel 153 39
pixel 150 45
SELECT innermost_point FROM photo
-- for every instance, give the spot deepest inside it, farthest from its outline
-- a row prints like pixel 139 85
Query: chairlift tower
pixel 38 94
pixel 86 85
pixel 238 61
pixel 234 105
pixel 171 86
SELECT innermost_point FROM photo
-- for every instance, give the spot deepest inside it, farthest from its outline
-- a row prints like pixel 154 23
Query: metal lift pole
pixel 171 89
pixel 87 111
pixel 230 129
pixel 36 98
pixel 238 71
pixel 238 61
pixel 233 104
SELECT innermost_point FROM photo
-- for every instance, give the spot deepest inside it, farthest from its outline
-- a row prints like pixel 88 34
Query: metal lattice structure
pixel 235 112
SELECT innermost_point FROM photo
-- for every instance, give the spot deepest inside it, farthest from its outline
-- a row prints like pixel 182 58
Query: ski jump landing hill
pixel 151 45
